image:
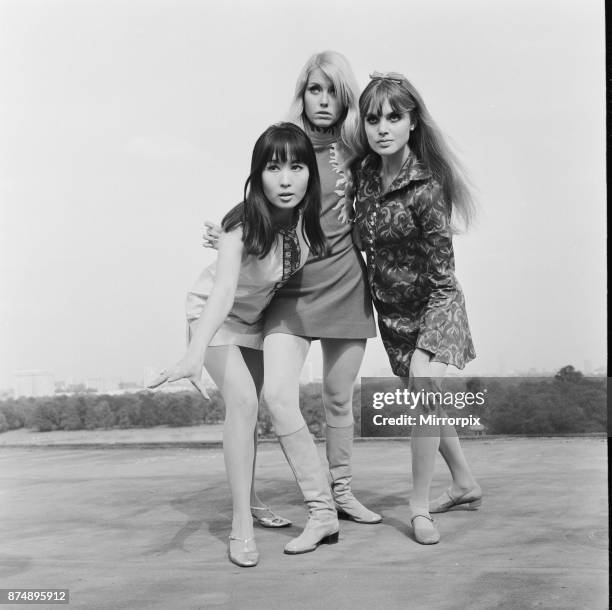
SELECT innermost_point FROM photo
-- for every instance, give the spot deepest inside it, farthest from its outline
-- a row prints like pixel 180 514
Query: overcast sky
pixel 124 125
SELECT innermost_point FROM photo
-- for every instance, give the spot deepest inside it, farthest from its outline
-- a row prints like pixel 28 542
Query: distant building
pixel 102 385
pixel 34 383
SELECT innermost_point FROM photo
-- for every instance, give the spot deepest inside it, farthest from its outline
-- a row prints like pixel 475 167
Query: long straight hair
pixel 281 142
pixel 426 140
pixel 337 68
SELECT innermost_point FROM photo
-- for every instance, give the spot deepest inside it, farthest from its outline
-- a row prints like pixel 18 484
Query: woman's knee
pixel 278 395
pixel 338 403
pixel 242 406
pixel 284 407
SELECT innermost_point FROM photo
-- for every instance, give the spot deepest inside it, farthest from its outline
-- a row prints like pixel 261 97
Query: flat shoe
pixel 425 535
pixel 471 500
pixel 239 553
pixel 267 518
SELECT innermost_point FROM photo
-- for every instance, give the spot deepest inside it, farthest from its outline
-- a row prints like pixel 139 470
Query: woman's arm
pixel 221 298
pixel 215 311
pixel 434 217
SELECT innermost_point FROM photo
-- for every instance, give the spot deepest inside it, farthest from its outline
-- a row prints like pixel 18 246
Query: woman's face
pixel 321 104
pixel 389 133
pixel 285 184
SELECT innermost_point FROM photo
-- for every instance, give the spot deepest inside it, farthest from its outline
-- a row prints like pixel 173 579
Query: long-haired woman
pixel 408 183
pixel 265 239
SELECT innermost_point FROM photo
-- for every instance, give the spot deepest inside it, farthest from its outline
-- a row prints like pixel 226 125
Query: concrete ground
pixel 157 437
pixel 147 528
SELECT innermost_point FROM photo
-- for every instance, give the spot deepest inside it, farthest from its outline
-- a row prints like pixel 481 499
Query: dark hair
pixel 426 140
pixel 280 142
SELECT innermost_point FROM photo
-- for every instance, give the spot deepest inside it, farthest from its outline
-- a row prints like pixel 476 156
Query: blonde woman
pixel 328 299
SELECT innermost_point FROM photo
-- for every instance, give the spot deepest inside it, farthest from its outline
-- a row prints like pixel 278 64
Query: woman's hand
pixel 210 237
pixel 189 367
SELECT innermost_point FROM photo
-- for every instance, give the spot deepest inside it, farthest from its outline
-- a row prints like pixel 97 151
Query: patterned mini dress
pixel 406 234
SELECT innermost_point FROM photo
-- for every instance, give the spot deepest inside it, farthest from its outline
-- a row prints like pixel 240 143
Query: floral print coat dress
pixel 406 233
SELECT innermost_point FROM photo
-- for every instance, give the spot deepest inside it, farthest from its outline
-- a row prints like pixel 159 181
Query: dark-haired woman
pixel 265 240
pixel 407 185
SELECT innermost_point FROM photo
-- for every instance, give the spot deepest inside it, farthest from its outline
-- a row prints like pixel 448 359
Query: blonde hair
pixel 337 68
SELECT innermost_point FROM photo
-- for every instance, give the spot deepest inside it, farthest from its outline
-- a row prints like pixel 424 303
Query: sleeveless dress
pixel 258 281
pixel 329 296
pixel 406 233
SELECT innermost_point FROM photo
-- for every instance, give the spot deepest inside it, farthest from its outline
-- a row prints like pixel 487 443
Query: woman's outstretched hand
pixel 188 368
pixel 210 237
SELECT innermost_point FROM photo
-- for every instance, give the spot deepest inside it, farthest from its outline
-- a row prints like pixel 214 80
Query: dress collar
pixel 290 228
pixel 412 170
pixel 320 138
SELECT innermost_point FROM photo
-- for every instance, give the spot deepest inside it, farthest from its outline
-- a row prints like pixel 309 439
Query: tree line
pixel 564 404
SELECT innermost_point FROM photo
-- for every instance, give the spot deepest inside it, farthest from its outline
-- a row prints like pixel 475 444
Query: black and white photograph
pixel 303 305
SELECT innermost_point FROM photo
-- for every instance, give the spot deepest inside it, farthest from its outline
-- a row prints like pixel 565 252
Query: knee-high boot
pixel 322 525
pixel 339 452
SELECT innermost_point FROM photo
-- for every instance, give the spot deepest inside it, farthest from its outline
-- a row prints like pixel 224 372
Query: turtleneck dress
pixel 329 296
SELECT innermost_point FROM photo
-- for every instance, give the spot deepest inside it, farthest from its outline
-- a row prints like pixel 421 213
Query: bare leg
pixel 284 357
pixel 451 451
pixel 254 362
pixel 424 445
pixel 229 371
pixel 264 515
pixel 341 362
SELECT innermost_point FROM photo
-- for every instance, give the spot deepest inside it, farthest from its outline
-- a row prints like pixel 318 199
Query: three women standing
pixel 406 184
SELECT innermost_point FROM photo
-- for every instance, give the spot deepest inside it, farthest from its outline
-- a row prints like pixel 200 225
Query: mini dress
pixel 259 279
pixel 329 296
pixel 406 233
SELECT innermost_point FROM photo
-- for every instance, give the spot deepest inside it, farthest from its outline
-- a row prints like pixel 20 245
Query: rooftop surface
pixel 147 528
